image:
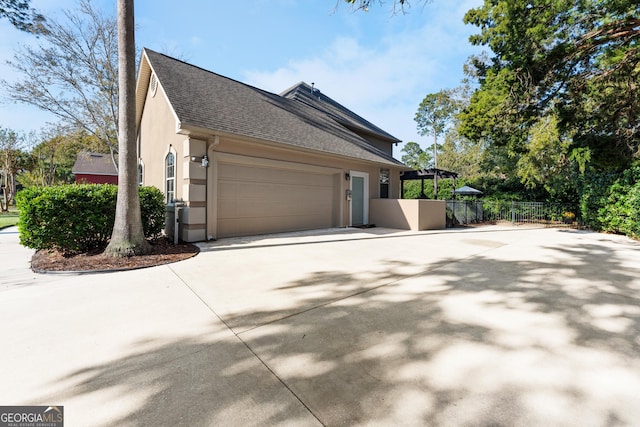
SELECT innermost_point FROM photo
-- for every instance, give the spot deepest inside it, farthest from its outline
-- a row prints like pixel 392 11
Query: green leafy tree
pixel 578 61
pixel 13 158
pixel 415 157
pixel 619 206
pixel 51 161
pixel 22 16
pixel 434 116
pixel 461 155
pixel 457 153
pixel 545 155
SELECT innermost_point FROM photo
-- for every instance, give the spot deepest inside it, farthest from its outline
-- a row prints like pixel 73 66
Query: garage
pixel 260 196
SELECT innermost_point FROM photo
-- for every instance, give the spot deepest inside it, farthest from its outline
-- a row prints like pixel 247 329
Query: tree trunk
pixel 4 203
pixel 128 236
pixel 11 185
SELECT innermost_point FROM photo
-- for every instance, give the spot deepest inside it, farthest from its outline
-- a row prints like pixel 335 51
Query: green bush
pixel 79 218
pixel 153 212
pixel 616 208
pixel 593 188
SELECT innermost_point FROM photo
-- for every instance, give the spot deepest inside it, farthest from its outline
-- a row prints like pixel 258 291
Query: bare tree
pixel 128 236
pixel 72 72
pixel 398 5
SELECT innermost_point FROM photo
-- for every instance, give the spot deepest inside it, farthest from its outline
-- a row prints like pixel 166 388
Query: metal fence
pixel 461 212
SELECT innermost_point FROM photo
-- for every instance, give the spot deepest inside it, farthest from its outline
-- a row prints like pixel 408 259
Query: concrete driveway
pixel 480 326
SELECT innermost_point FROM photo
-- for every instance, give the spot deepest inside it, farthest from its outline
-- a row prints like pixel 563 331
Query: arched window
pixel 170 174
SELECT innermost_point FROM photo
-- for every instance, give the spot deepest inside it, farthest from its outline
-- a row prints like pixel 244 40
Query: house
pixel 95 168
pixel 244 161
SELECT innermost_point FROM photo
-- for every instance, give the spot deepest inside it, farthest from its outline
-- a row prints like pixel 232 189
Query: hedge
pixel 620 212
pixel 79 218
pixel 611 203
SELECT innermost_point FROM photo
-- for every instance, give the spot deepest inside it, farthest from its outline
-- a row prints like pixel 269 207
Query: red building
pixel 95 168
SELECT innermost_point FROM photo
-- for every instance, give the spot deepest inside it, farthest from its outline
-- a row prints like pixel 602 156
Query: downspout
pixel 206 191
pixel 214 143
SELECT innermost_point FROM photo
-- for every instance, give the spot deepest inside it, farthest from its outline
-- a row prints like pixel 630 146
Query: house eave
pixel 94 173
pixel 199 132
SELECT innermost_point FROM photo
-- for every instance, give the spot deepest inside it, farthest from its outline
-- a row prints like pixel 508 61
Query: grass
pixel 7 219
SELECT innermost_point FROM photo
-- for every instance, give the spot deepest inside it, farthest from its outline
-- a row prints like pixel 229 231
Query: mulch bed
pixel 162 252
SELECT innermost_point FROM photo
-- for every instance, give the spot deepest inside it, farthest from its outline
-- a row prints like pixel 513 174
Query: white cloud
pixel 385 83
pixel 380 71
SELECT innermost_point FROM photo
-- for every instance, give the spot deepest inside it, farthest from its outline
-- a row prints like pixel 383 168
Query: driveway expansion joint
pixel 248 347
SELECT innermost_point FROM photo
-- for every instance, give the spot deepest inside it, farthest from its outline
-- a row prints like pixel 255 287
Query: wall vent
pixel 153 85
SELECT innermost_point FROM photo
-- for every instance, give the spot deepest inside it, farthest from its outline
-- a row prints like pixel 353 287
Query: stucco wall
pixel 255 149
pixel 407 214
pixel 157 134
pixel 234 145
pixel 385 146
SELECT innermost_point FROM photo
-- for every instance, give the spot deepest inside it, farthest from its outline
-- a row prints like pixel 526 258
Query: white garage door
pixel 260 199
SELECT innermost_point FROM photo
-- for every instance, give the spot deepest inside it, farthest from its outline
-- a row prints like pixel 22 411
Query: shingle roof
pixel 316 99
pixel 203 99
pixel 94 164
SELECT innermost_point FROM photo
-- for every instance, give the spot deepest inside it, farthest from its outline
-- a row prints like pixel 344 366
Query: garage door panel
pixel 238 172
pixel 264 225
pixel 278 202
pixel 274 208
pixel 256 200
pixel 277 193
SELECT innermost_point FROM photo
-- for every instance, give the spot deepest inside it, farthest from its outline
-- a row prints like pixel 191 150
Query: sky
pixel 379 64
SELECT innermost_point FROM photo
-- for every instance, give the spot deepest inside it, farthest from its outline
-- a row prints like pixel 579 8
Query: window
pixel 170 173
pixel 384 183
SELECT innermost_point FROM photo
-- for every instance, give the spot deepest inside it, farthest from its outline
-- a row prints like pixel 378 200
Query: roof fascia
pixel 142 86
pixel 204 133
pixel 364 131
pixel 93 173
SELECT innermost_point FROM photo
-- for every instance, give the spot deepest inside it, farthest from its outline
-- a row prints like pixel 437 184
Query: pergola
pixel 423 174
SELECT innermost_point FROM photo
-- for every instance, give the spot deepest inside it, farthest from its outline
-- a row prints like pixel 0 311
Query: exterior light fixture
pixel 204 160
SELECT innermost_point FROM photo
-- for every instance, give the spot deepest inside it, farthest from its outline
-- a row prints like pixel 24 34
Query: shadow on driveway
pixel 541 331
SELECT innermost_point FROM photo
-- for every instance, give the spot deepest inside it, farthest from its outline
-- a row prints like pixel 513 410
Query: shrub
pixel 619 211
pixel 79 218
pixel 153 212
pixel 594 189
